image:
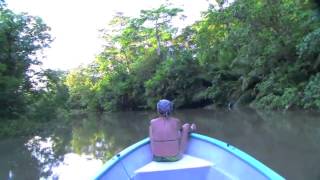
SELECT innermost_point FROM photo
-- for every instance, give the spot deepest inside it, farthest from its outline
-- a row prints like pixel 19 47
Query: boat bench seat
pixel 188 168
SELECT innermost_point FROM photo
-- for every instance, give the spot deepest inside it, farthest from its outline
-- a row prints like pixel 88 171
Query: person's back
pixel 165 136
pixel 168 138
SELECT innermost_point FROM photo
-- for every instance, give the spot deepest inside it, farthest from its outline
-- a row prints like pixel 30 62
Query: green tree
pixel 22 37
pixel 160 20
pixel 128 60
pixel 259 52
pixel 49 101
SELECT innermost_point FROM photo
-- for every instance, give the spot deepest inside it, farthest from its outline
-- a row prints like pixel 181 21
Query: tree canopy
pixel 262 53
pixel 22 37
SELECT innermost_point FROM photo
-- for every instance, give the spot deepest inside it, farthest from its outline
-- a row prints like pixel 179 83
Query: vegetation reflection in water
pixel 286 142
pixel 93 140
pixel 72 165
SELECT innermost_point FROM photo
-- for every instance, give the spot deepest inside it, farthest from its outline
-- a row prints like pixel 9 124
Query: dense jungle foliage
pixel 261 53
pixel 28 97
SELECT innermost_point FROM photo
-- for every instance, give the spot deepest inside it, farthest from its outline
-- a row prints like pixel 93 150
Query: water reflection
pixel 15 160
pixel 286 142
pixel 65 167
pixel 42 150
pixel 76 166
pixel 79 150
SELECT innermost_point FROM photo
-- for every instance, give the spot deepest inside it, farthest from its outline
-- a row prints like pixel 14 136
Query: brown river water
pixel 287 142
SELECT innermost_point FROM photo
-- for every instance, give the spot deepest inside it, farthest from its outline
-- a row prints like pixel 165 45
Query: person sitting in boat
pixel 168 138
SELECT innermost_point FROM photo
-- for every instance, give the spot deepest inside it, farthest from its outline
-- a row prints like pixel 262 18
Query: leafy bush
pixel 179 80
pixel 312 92
pixel 289 98
pixel 309 48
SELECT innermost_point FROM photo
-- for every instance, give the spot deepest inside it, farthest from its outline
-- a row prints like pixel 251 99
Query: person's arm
pixel 150 132
pixel 150 137
pixel 179 125
pixel 150 129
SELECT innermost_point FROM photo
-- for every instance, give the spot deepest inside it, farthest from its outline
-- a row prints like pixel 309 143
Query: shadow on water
pixel 286 142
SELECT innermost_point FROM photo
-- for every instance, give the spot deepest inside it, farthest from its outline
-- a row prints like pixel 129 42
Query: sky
pixel 75 24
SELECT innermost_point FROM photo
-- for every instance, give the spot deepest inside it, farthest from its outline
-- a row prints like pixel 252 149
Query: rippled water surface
pixel 286 142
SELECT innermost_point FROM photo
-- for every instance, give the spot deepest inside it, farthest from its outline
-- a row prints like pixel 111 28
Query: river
pixel 287 142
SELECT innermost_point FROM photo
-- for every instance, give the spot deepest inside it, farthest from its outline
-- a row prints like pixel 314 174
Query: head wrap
pixel 164 107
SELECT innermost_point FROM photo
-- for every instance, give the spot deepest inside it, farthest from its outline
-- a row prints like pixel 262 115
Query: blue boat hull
pixel 227 161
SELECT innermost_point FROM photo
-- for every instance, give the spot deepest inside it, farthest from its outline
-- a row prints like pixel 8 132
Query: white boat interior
pixel 188 168
pixel 205 159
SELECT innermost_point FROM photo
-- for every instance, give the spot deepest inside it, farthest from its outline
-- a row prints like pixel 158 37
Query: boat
pixel 205 158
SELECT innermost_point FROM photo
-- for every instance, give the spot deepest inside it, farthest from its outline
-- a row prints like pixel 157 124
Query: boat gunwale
pixel 251 161
pixel 118 157
pixel 245 157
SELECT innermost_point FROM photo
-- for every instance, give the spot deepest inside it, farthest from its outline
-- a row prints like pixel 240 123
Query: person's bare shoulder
pixel 175 119
pixel 153 120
